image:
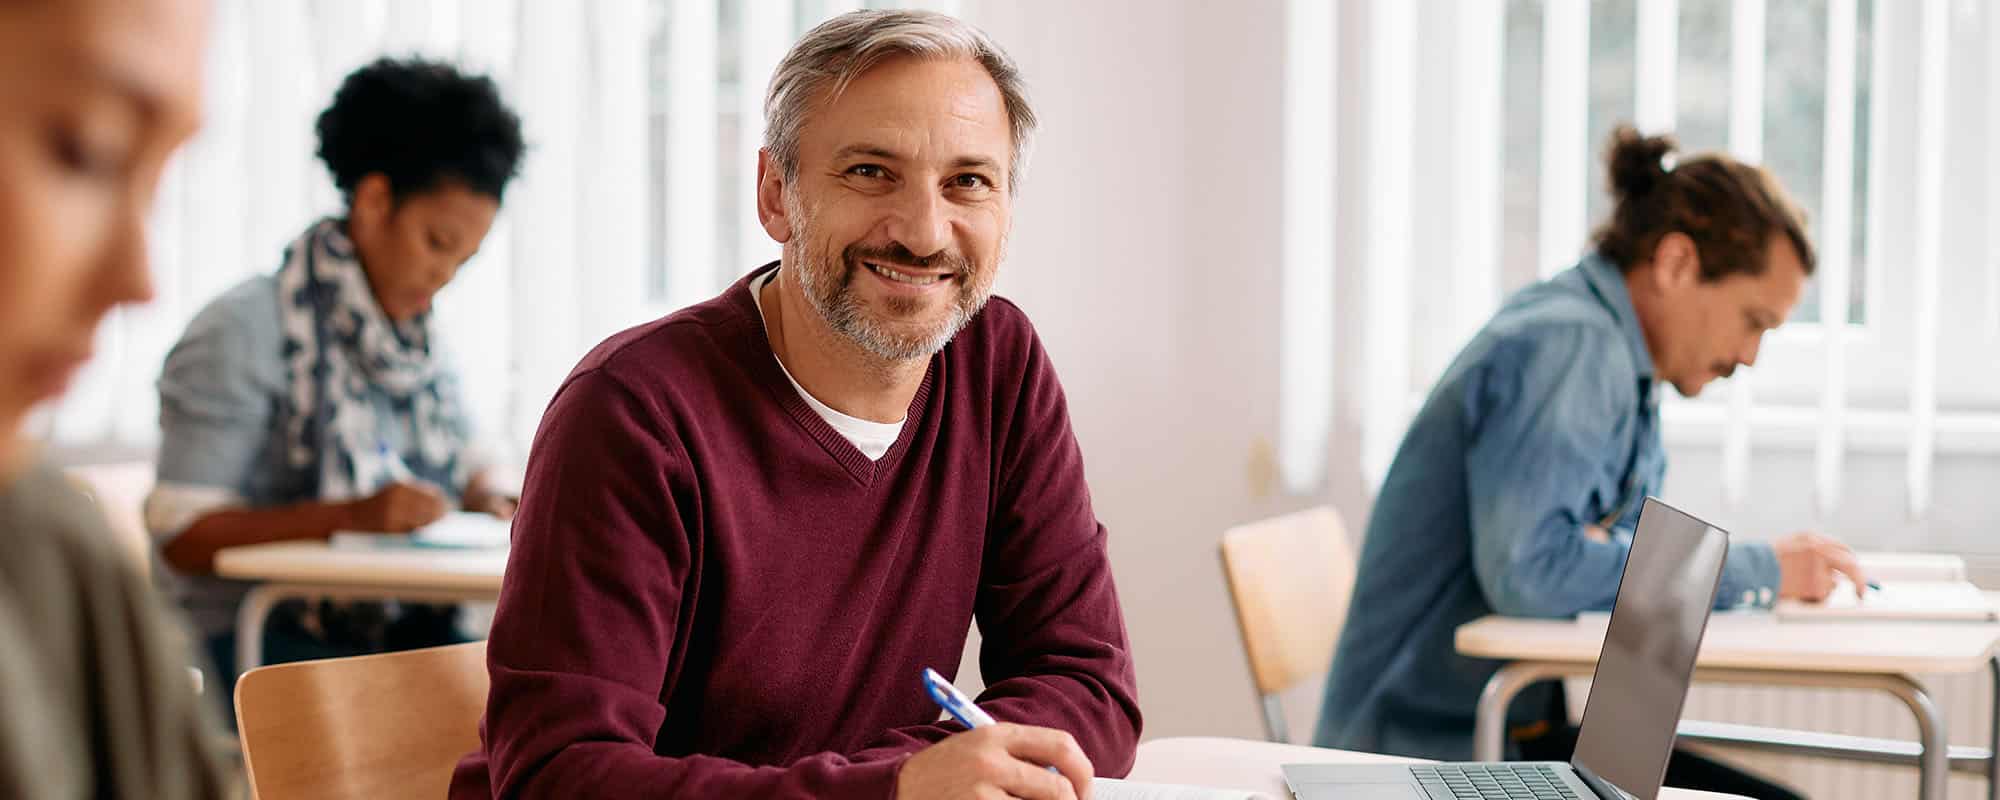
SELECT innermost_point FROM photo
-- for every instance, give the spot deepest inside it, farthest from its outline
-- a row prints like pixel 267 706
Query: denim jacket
pixel 1547 423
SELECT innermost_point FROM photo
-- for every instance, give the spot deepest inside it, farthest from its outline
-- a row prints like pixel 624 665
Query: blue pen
pixel 398 471
pixel 954 701
pixel 957 704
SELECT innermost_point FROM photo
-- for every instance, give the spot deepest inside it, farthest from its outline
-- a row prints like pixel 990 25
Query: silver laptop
pixel 1671 576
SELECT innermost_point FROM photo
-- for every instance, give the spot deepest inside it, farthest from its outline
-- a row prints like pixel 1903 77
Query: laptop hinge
pixel 1599 786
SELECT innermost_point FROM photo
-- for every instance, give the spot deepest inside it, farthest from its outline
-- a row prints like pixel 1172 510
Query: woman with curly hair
pixel 316 398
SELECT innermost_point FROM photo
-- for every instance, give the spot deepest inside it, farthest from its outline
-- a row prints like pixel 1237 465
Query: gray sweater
pixel 95 695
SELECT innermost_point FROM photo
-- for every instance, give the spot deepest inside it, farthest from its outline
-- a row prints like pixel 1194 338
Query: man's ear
pixel 1676 262
pixel 771 211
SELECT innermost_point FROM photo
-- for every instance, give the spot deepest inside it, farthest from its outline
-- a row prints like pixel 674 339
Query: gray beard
pixel 843 312
pixel 828 281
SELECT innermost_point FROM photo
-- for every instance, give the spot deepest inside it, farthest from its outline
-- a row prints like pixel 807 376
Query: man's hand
pixel 997 762
pixel 1807 563
pixel 398 508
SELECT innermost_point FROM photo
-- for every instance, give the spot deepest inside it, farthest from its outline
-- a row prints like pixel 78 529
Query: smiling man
pixel 748 527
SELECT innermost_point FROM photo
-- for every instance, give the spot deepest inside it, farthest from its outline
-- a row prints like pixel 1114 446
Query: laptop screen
pixel 1671 576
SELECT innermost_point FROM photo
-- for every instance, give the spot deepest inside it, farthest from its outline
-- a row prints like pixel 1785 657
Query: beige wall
pixel 1145 248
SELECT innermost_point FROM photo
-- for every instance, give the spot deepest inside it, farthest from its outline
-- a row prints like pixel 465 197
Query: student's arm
pixel 587 620
pixel 1053 651
pixel 397 508
pixel 1547 421
pixel 216 409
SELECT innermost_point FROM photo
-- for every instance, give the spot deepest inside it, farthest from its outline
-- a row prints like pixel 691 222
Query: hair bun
pixel 1636 161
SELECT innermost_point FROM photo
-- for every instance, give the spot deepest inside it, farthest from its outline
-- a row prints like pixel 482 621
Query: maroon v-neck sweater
pixel 712 594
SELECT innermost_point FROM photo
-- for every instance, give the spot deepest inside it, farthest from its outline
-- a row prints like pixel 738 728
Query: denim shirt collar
pixel 1607 281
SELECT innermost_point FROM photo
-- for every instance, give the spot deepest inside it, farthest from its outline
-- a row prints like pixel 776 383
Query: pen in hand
pixel 955 703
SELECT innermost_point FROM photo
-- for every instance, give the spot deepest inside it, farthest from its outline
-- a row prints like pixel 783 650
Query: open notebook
pixel 1912 601
pixel 1911 566
pixel 458 530
pixel 1914 587
pixel 1114 789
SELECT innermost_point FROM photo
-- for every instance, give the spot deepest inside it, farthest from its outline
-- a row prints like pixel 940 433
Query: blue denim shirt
pixel 1547 423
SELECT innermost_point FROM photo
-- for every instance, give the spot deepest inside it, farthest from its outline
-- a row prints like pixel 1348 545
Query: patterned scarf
pixel 341 350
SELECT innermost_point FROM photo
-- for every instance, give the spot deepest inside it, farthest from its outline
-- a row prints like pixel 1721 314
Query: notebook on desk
pixel 458 530
pixel 1903 601
pixel 1911 566
pixel 1114 789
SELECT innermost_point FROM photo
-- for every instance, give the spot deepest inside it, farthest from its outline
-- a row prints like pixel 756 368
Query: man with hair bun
pixel 1518 486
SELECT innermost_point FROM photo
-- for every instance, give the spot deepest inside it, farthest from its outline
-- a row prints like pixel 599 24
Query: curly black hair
pixel 420 123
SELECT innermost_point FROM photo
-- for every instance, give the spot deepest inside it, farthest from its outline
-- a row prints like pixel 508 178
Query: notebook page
pixel 1896 600
pixel 1114 789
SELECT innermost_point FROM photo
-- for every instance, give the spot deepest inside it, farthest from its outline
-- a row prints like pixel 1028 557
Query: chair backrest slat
pixel 380 726
pixel 1289 578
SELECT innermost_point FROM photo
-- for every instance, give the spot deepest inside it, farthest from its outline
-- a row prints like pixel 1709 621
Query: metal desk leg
pixel 1490 719
pixel 1489 727
pixel 1993 736
pixel 250 619
pixel 1275 728
pixel 1936 765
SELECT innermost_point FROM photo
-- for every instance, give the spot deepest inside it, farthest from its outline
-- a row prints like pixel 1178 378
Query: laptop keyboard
pixel 1492 782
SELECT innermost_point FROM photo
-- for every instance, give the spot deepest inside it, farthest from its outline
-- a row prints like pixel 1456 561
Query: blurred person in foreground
pixel 95 694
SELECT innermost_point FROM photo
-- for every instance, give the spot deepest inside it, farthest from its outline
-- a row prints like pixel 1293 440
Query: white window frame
pixel 1878 387
pixel 1905 388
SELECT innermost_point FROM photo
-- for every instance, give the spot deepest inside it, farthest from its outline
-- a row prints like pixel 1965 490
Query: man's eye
pixel 867 171
pixel 971 181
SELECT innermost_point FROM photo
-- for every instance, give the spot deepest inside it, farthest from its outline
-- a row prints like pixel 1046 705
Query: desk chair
pixel 1289 578
pixel 119 490
pixel 379 726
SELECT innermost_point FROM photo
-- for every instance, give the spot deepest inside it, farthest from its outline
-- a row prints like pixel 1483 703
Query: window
pixel 1856 106
pixel 1794 54
pixel 708 63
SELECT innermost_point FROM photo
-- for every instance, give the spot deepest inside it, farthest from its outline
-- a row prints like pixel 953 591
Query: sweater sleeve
pixel 586 622
pixel 1054 651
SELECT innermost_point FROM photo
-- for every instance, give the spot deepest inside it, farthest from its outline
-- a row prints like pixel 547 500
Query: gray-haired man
pixel 748 527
